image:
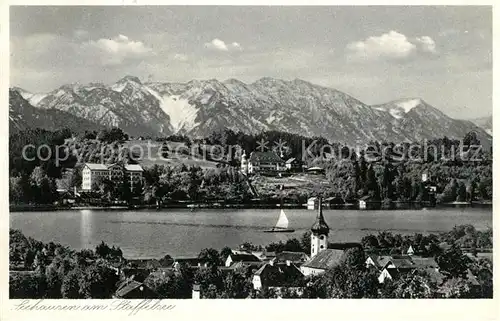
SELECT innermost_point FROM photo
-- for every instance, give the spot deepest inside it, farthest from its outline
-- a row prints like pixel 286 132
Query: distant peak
pixel 233 81
pixel 130 78
pixel 301 81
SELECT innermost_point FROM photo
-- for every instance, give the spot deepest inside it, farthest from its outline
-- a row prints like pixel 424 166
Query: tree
pixel 44 188
pixel 344 282
pixel 76 177
pixel 19 190
pixel 457 288
pixel 210 256
pixel 98 282
pixel 114 134
pixel 305 242
pixel 354 258
pixel 224 253
pixel 453 263
pixel 369 242
pixel 415 285
pixel 450 191
pixel 170 285
pixel 70 288
pixel 236 285
pixel 371 184
pixel 102 250
pixel 461 192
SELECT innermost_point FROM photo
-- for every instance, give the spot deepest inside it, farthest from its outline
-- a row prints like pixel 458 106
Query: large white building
pixel 261 162
pixel 93 173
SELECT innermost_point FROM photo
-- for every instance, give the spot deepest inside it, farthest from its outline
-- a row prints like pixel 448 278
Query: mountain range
pixel 197 108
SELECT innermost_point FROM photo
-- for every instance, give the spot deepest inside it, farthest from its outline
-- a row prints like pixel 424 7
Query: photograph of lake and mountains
pixel 257 152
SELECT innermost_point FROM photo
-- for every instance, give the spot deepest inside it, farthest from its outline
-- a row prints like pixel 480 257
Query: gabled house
pixel 240 257
pixel 278 275
pixel 393 266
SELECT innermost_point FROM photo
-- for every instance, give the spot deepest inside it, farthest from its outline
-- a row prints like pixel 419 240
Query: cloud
pixel 219 45
pixel 80 33
pixel 181 57
pixel 391 45
pixel 426 44
pixel 118 49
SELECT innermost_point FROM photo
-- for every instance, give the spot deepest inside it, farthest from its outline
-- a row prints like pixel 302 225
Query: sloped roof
pixel 325 259
pixel 133 168
pixel 128 287
pixel 472 278
pixel 424 262
pixel 402 262
pixel 244 257
pixel 280 275
pixel 296 257
pixel 380 260
pixel 96 167
pixel 268 157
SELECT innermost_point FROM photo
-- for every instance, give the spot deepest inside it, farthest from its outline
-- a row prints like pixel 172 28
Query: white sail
pixel 282 221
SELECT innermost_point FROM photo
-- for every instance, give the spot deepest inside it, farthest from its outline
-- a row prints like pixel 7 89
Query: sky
pixel 442 54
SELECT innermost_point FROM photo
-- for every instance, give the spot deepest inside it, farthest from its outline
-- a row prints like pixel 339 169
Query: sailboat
pixel 281 225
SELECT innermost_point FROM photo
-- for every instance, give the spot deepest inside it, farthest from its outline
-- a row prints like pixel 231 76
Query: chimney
pixel 287 262
pixel 271 262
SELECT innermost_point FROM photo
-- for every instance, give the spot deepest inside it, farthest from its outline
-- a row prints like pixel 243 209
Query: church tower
pixel 320 230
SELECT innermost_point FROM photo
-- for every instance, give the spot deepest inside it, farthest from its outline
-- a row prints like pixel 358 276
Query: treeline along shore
pixel 385 175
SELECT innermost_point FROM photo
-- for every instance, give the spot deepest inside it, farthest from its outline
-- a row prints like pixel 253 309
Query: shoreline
pixel 221 205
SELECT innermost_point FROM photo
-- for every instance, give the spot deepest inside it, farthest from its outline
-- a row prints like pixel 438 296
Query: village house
pixel 262 162
pixel 277 276
pixel 240 257
pixel 334 201
pixel 391 266
pixel 92 174
pixel 293 164
pixel 312 203
pixel 368 202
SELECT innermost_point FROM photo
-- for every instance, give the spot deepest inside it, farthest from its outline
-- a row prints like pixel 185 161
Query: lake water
pixel 151 233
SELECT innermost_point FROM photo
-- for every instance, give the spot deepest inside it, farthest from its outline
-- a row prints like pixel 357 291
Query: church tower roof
pixel 320 226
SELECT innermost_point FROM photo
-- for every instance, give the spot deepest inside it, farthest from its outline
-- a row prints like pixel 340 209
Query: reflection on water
pixel 151 233
pixel 86 228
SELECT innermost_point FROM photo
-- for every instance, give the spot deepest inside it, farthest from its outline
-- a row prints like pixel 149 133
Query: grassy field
pixel 179 154
pixel 298 184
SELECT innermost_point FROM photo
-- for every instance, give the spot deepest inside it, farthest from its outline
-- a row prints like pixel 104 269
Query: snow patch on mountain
pixel 408 105
pixel 182 114
pixel 36 98
pixel 118 87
